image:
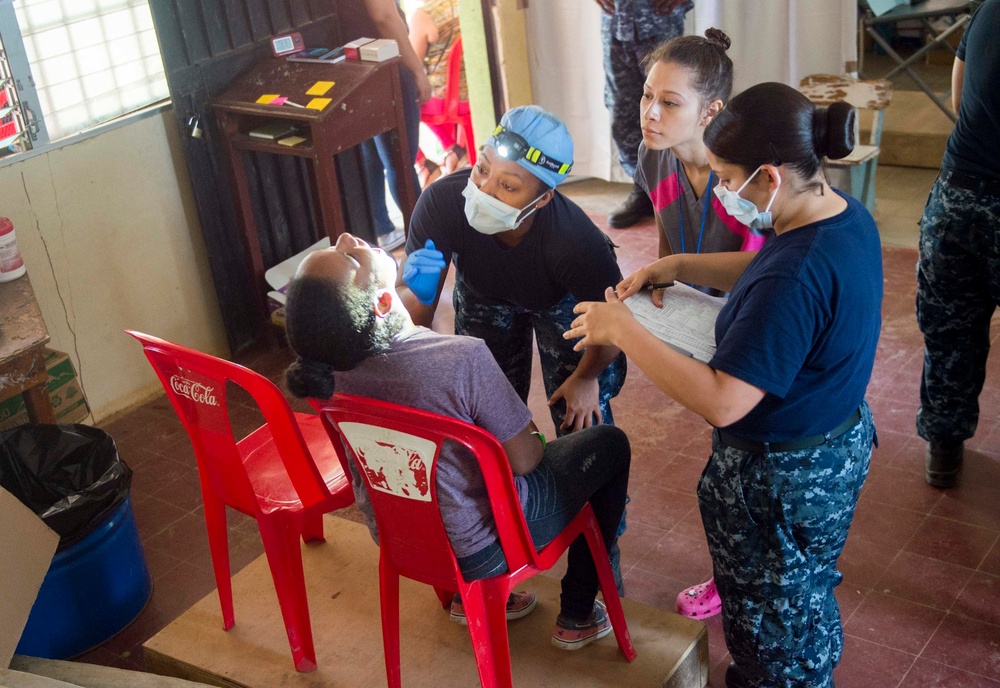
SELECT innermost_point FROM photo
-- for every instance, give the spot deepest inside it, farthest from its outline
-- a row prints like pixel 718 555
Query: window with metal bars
pixel 76 64
pixel 13 127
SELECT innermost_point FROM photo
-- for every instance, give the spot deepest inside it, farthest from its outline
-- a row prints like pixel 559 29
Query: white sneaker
pixel 392 240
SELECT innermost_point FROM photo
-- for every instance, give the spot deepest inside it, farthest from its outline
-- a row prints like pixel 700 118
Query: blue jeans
pixel 378 162
pixel 590 465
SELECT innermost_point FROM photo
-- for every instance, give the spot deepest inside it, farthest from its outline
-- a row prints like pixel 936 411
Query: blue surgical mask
pixel 745 211
pixel 489 215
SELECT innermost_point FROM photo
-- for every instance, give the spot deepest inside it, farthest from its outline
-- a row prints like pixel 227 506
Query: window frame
pixel 24 83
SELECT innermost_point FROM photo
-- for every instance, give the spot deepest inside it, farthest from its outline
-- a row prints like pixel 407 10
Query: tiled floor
pixel 921 593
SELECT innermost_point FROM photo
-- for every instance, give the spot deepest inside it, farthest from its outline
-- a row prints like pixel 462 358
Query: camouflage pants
pixel 958 288
pixel 776 524
pixel 507 331
pixel 624 77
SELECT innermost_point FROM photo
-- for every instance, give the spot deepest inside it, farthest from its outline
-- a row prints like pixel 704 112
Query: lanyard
pixel 680 209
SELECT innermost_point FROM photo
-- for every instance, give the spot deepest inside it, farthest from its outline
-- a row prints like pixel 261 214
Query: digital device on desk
pixel 287 44
pixel 324 57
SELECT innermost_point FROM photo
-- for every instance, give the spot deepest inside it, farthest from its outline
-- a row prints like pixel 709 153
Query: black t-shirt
pixel 974 145
pixel 563 252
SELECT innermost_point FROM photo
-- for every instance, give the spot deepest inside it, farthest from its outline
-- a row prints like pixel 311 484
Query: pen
pixel 659 285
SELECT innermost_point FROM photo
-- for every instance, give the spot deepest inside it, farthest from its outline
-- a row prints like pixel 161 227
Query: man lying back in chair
pixel 351 330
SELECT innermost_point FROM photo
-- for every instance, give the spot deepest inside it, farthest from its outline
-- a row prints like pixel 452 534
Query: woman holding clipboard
pixel 688 82
pixel 785 389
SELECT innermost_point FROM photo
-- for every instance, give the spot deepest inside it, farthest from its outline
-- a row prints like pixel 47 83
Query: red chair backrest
pixel 196 386
pixel 396 448
pixel 453 84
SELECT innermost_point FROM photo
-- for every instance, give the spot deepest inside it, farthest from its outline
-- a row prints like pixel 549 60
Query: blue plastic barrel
pixel 93 589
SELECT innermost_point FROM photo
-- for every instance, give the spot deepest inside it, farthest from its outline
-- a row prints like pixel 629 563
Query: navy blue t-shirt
pixel 563 252
pixel 802 323
pixel 974 145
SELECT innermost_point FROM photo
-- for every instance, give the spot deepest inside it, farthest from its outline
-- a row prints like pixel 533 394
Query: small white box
pixel 379 51
pixel 351 49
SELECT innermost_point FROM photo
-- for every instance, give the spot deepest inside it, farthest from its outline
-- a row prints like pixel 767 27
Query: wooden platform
pixel 342 581
pixel 915 131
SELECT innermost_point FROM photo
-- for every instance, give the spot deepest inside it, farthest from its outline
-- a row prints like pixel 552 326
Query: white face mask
pixel 489 215
pixel 743 210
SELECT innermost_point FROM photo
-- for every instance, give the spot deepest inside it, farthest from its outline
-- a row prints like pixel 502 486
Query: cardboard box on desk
pixel 28 545
pixel 380 50
pixel 68 402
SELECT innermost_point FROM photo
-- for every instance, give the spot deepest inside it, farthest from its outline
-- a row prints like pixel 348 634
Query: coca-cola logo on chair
pixel 195 391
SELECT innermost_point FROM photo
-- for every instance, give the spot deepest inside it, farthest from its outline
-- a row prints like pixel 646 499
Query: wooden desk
pixel 22 340
pixel 366 100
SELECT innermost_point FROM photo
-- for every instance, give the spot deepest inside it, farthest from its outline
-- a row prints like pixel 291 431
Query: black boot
pixel 734 679
pixel 635 209
pixel 943 462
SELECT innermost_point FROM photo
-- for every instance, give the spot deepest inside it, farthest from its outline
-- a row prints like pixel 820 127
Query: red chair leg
pixel 281 545
pixel 312 528
pixel 388 583
pixel 218 544
pixel 606 578
pixel 485 604
pixel 446 597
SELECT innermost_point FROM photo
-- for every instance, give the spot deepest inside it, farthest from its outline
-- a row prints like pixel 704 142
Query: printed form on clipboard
pixel 686 322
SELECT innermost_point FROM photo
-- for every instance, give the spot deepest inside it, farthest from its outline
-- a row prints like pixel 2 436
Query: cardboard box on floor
pixel 68 402
pixel 27 545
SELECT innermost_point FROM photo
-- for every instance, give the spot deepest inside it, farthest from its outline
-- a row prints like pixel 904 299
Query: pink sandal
pixel 700 601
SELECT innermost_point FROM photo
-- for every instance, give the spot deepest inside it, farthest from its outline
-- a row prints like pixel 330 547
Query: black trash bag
pixel 70 475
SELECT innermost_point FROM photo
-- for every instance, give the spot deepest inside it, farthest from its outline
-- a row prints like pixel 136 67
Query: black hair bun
pixel 833 130
pixel 310 379
pixel 718 37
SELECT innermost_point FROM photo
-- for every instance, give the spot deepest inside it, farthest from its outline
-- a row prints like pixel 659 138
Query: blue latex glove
pixel 422 272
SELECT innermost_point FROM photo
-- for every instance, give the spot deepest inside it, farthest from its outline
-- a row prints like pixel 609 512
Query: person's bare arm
pixel 389 24
pixel 957 75
pixel 716 270
pixel 423 32
pixel 582 390
pixel 524 450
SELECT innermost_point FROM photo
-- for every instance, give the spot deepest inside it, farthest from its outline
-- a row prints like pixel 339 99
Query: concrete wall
pixel 110 236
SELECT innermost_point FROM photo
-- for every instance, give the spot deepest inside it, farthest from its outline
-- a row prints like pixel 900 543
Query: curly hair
pixel 332 328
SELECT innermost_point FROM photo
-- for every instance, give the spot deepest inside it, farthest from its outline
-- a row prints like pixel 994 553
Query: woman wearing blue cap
pixel 525 255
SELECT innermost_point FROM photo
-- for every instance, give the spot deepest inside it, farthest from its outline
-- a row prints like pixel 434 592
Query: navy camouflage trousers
pixel 624 77
pixel 507 331
pixel 776 524
pixel 958 288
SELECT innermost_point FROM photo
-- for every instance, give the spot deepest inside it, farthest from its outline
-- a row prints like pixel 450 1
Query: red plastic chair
pixel 285 474
pixel 451 110
pixel 397 449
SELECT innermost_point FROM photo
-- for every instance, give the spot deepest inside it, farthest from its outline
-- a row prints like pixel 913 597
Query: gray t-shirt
pixel 453 376
pixel 661 176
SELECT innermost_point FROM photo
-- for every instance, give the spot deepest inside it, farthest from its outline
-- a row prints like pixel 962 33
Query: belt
pixel 970 182
pixel 737 442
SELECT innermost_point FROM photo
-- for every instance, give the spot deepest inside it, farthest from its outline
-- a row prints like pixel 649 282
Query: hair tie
pixel 311 365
